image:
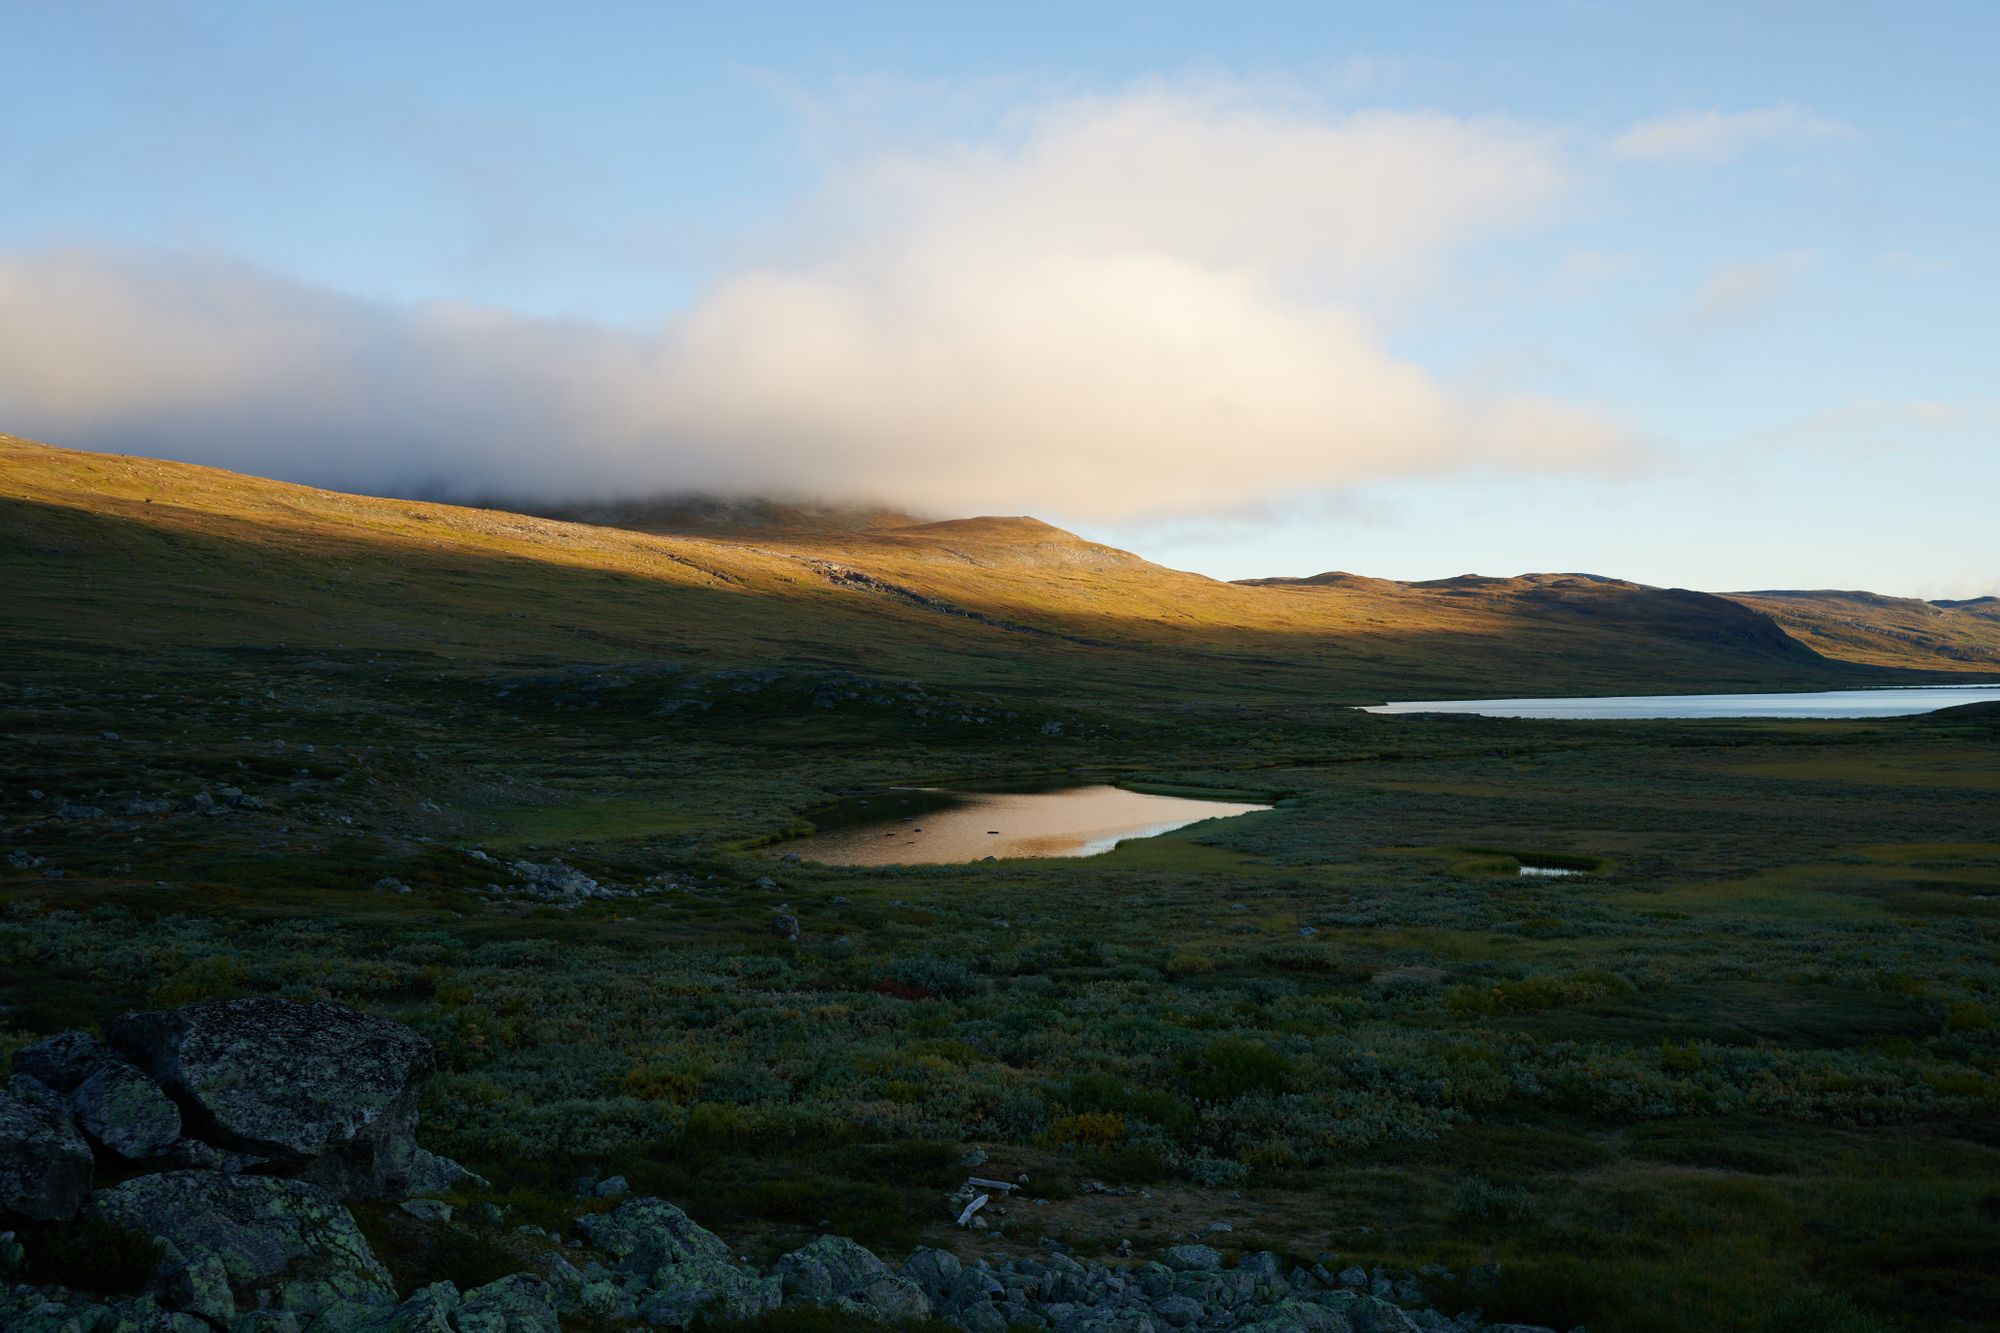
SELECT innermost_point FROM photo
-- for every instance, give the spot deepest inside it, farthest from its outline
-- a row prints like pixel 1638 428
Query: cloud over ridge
pixel 1160 302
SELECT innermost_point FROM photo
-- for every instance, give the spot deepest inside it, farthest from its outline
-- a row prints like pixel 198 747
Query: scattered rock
pixel 433 1174
pixel 26 1309
pixel 1193 1259
pixel 786 927
pixel 835 1271
pixel 674 1269
pixel 517 1303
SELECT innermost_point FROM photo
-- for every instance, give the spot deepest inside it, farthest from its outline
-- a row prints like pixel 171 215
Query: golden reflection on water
pixel 1078 821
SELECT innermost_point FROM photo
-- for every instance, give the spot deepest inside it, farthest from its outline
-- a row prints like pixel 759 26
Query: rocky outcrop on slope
pixel 317 1090
pixel 261 1240
pixel 237 1129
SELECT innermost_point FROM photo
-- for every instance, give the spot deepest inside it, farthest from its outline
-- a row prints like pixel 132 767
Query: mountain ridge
pixel 121 548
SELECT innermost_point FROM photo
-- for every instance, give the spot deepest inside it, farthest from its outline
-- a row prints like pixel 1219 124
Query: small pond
pixel 1548 872
pixel 1901 701
pixel 935 825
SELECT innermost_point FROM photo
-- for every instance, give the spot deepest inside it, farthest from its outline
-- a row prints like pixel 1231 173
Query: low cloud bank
pixel 1150 304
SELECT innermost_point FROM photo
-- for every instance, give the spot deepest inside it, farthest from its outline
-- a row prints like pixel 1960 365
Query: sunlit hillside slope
pixel 1888 631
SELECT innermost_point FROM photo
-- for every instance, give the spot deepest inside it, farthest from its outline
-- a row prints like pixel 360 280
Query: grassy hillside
pixel 1888 631
pixel 134 551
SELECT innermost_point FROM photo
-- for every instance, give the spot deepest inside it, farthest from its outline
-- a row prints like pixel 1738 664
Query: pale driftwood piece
pixel 982 1183
pixel 965 1218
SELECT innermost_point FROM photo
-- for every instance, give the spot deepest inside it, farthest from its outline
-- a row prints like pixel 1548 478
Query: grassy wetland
pixel 1743 1074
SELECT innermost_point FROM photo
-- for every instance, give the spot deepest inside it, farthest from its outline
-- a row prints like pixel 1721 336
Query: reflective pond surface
pixel 933 826
pixel 1898 702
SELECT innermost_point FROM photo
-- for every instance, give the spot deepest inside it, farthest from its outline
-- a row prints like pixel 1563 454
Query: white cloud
pixel 1718 136
pixel 1146 304
pixel 1736 294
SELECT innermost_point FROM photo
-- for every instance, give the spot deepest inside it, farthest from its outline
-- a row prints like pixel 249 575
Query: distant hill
pixel 1887 631
pixel 112 553
pixel 1550 605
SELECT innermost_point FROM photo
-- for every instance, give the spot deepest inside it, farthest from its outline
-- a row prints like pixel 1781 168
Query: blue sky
pixel 1693 294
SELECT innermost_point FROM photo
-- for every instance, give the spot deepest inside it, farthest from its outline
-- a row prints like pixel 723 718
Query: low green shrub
pixel 1231 1067
pixel 1090 1129
pixel 1542 990
pixel 1813 1311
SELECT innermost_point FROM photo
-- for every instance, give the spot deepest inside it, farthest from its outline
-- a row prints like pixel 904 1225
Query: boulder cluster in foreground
pixel 236 1130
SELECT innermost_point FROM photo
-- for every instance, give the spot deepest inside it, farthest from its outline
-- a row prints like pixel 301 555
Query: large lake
pixel 1898 702
pixel 933 826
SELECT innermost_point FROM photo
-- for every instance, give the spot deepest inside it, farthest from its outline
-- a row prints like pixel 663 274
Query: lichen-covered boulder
pixel 647 1233
pixel 243 1242
pixel 584 1296
pixel 833 1270
pixel 932 1270
pixel 426 1310
pixel 827 1268
pixel 673 1270
pixel 1368 1314
pixel 518 1303
pixel 895 1300
pixel 1193 1259
pixel 111 1100
pixel 1297 1317
pixel 320 1090
pixel 44 1162
pixel 123 1112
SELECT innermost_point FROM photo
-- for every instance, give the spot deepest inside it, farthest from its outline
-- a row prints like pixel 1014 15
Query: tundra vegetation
pixel 523 787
